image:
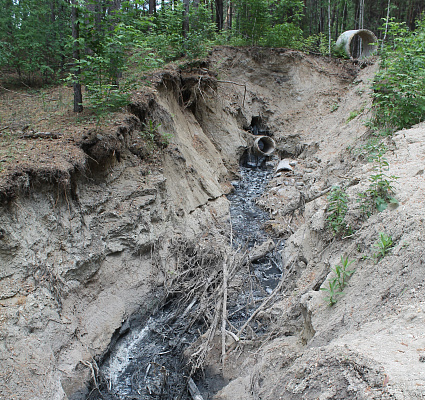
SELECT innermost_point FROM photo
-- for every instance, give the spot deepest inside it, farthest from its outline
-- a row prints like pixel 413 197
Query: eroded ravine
pixel 79 269
pixel 147 361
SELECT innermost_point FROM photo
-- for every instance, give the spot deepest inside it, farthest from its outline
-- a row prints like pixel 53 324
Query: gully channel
pixel 147 362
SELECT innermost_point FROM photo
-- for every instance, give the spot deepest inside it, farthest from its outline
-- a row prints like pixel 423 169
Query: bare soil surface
pixel 88 210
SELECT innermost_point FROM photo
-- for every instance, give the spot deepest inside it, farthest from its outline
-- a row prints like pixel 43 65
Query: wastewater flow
pixel 146 362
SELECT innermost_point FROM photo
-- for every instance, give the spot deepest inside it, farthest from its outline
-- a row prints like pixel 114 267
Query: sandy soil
pixel 82 212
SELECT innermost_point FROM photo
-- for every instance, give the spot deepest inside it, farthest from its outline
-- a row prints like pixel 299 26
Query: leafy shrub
pixel 337 210
pixel 283 35
pixel 319 44
pixel 381 186
pixel 399 87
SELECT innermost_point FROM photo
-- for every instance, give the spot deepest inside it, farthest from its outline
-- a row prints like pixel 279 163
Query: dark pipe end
pixel 264 145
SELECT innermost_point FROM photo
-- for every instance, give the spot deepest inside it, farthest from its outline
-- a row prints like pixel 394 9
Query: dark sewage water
pixel 146 363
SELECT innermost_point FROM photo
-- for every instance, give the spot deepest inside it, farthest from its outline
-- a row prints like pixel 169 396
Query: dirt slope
pixel 371 343
pixel 77 238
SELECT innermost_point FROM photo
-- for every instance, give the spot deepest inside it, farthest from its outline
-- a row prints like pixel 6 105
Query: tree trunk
pixel 329 25
pixel 386 23
pixel 78 97
pixel 219 14
pixel 152 7
pixel 186 17
pixel 229 15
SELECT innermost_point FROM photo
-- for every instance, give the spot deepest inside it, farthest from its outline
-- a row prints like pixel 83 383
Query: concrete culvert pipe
pixel 264 145
pixel 367 39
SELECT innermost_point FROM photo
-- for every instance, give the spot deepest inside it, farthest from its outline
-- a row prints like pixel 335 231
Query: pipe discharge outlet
pixel 264 146
pixel 368 40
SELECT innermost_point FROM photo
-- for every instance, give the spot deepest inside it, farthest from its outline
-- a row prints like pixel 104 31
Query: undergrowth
pixel 337 284
pixel 383 246
pixel 399 86
pixel 337 210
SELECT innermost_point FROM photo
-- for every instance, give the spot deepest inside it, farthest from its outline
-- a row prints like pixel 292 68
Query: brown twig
pixel 224 314
pixel 307 199
pixel 238 84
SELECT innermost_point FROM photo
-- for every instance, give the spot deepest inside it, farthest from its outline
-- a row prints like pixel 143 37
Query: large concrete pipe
pixel 368 38
pixel 264 146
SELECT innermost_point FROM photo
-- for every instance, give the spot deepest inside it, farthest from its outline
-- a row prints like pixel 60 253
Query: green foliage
pixel 332 291
pixel 342 273
pixel 318 44
pixel 153 136
pixel 337 210
pixel 337 284
pixel 287 34
pixel 33 34
pixel 334 106
pixel 353 114
pixel 103 60
pixel 381 186
pixel 273 23
pixel 399 87
pixel 254 19
pixel 383 245
pixel 171 42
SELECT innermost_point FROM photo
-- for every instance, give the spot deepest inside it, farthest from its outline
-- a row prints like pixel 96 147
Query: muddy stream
pixel 146 362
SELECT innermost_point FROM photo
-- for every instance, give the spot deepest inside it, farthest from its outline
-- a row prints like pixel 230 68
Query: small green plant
pixel 381 186
pixel 353 114
pixel 334 107
pixel 332 291
pixel 152 135
pixel 342 272
pixel 337 284
pixel 383 245
pixel 337 210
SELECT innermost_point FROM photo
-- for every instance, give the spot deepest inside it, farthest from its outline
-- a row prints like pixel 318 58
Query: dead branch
pixel 224 314
pixel 260 251
pixel 308 198
pixel 262 306
pixel 193 390
pixel 21 94
pixel 41 135
pixel 238 84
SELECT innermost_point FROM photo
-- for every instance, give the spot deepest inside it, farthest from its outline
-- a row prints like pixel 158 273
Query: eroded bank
pixel 78 254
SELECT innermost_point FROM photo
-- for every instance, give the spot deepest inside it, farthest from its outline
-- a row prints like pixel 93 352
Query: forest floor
pixel 370 344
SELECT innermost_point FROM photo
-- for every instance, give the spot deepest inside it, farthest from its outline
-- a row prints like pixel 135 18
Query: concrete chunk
pixel 284 166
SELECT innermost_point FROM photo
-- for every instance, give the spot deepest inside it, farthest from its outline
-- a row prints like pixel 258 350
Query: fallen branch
pixel 238 84
pixel 193 390
pixel 224 314
pixel 307 199
pixel 21 94
pixel 262 306
pixel 41 135
pixel 260 251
